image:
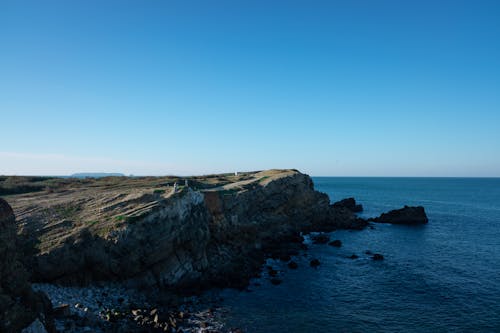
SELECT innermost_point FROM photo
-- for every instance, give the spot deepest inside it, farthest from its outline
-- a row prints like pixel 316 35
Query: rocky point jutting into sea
pixel 129 242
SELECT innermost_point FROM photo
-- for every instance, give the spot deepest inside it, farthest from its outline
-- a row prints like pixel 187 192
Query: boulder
pixel 350 204
pixel 336 243
pixel 314 263
pixel 321 239
pixel 273 272
pixel 407 215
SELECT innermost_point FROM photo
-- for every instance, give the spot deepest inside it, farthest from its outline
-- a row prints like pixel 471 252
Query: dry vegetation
pixel 52 209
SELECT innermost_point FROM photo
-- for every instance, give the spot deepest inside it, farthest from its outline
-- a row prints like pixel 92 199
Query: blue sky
pixel 340 88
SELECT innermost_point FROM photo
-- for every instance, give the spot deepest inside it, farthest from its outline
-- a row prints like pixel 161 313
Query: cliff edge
pixel 167 232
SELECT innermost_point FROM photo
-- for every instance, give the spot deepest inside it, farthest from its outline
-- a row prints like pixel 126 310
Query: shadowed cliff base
pixel 19 304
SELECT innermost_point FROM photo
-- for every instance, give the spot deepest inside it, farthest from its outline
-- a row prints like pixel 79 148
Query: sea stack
pixel 411 215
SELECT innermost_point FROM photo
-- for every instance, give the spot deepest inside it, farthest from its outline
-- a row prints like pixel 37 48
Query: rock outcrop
pixel 20 306
pixel 350 204
pixel 320 239
pixel 151 235
pixel 336 243
pixel 406 215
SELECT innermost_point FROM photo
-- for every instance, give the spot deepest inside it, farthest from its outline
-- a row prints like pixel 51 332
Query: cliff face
pixel 247 223
pixel 19 305
pixel 163 246
pixel 161 238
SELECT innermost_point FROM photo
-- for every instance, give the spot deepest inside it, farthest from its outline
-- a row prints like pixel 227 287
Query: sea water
pixel 440 277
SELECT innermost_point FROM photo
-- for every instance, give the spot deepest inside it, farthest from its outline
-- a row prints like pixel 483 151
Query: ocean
pixel 440 277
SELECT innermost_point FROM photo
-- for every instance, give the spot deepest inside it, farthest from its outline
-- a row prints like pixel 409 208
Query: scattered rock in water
pixel 336 243
pixel 377 256
pixel 368 252
pixel 353 256
pixel 276 281
pixel 314 263
pixel 273 272
pixel 350 204
pixel 320 239
pixel 293 265
pixel 407 215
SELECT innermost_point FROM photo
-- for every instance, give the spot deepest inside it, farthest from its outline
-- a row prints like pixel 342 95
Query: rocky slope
pixel 209 231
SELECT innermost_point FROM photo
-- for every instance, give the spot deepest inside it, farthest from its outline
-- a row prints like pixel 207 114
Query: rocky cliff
pixel 19 305
pixel 150 234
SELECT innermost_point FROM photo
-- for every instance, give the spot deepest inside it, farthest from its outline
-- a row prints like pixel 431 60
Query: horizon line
pixel 221 173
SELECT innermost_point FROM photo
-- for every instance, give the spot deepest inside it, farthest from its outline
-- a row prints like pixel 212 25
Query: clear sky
pixel 340 88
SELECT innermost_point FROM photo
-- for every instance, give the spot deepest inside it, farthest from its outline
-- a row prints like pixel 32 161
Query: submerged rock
pixel 406 215
pixel 276 281
pixel 293 265
pixel 320 239
pixel 377 256
pixel 273 272
pixel 314 263
pixel 336 243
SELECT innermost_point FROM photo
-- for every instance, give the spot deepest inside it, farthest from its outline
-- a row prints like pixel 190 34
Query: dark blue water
pixel 441 277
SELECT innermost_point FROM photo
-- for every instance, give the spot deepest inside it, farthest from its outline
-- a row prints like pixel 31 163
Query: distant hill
pixel 96 175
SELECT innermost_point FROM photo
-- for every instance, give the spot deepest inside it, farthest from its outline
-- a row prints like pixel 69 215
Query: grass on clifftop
pixel 50 209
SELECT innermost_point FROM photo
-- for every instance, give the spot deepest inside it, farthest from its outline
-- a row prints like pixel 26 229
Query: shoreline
pixel 147 236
